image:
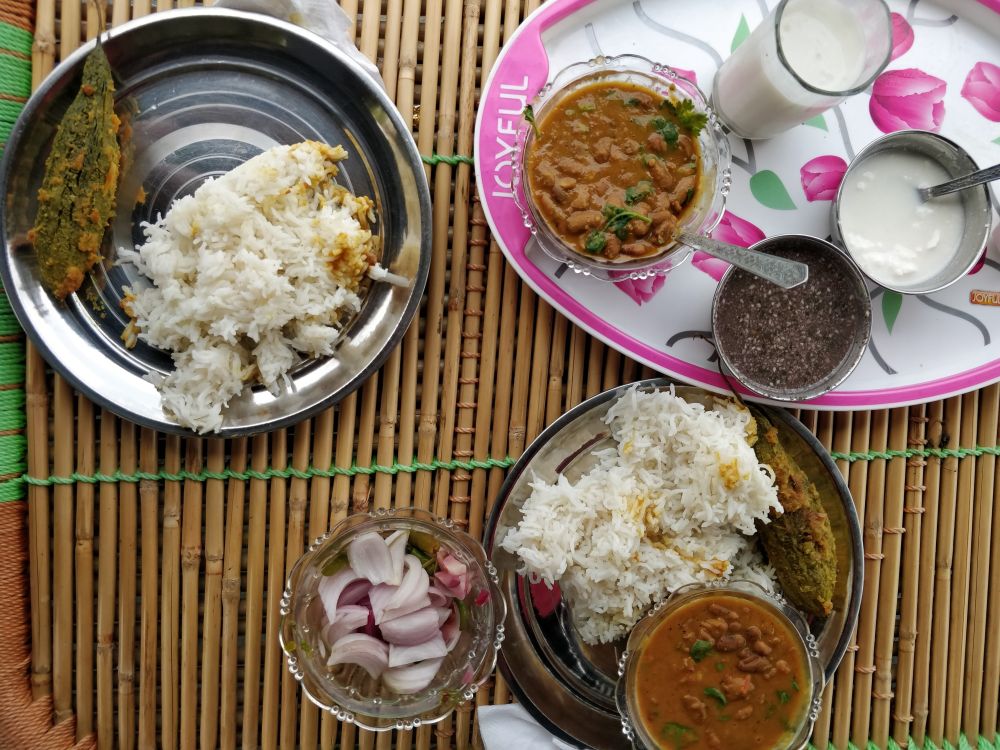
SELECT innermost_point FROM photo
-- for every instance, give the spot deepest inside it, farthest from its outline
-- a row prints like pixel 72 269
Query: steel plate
pixel 567 685
pixel 203 90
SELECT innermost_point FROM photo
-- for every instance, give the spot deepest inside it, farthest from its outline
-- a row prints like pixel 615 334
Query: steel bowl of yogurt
pixel 899 241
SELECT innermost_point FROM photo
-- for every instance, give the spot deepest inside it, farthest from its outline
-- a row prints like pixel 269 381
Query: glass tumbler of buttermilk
pixel 804 58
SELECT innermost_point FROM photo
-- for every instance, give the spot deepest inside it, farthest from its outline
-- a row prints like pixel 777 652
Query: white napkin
pixel 509 727
pixel 323 17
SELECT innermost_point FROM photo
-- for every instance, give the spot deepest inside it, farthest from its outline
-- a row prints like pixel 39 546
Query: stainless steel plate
pixel 203 91
pixel 567 685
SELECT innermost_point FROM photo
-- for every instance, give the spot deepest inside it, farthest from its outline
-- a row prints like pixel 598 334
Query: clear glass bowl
pixel 708 203
pixel 625 693
pixel 347 691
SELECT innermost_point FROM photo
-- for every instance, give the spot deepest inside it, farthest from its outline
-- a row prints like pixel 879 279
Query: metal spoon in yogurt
pixel 960 183
pixel 781 271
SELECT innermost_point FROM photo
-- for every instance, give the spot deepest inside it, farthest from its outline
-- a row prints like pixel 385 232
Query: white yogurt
pixel 892 235
pixel 823 43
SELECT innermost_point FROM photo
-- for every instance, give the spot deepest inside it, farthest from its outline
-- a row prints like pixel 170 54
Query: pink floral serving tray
pixel 944 76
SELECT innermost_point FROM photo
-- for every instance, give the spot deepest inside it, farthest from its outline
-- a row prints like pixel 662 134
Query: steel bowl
pixel 202 91
pixel 858 337
pixel 975 202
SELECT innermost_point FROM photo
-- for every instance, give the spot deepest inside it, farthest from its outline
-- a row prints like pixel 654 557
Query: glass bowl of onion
pixel 392 619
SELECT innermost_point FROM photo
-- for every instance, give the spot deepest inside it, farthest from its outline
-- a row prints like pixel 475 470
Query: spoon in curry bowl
pixel 781 271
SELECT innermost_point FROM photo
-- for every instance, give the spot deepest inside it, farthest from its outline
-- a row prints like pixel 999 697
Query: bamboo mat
pixel 139 593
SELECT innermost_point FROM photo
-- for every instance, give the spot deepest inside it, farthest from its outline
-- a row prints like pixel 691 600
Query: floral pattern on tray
pixel 944 76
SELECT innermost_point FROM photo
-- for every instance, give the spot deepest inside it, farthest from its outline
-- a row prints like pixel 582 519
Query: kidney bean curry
pixel 722 672
pixel 613 166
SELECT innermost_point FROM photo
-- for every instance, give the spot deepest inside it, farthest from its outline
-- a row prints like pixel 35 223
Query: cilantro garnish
pixel 616 219
pixel 642 189
pixel 686 115
pixel 595 242
pixel 528 113
pixel 678 735
pixel 665 128
pixel 713 692
pixel 700 649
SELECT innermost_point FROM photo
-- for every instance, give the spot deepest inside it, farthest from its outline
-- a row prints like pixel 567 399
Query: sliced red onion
pixel 455 585
pixel 369 556
pixel 354 592
pixel 412 678
pixel 380 596
pixel 330 588
pixel 451 631
pixel 400 656
pixel 396 542
pixel 350 617
pixel 357 648
pixel 443 614
pixel 411 629
pixel 449 563
pixel 413 589
pixel 438 596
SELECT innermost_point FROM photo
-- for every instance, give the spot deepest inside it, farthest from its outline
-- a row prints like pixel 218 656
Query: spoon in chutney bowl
pixel 781 271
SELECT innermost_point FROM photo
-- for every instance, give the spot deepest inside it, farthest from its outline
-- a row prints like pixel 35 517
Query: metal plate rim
pixel 518 469
pixel 364 79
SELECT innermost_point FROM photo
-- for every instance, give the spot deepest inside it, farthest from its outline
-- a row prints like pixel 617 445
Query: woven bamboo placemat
pixel 140 573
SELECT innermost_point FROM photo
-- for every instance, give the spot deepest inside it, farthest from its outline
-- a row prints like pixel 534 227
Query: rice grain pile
pixel 250 274
pixel 673 503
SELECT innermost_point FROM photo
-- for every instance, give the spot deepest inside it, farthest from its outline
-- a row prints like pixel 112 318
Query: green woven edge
pixel 396 468
pixel 963 744
pixel 15 80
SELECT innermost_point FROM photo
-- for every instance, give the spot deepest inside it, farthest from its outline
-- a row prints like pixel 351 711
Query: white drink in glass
pixel 803 59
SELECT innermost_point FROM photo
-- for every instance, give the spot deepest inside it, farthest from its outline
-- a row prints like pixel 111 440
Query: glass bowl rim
pixel 656 74
pixel 370 520
pixel 739 587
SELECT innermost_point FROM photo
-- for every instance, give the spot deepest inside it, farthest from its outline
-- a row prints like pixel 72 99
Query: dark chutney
pixel 789 339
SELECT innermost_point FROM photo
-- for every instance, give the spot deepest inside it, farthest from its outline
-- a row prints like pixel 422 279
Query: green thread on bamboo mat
pixel 16 40
pixel 270 473
pixel 979 450
pixel 963 744
pixel 454 160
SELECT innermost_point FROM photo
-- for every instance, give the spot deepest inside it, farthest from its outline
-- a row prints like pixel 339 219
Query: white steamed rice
pixel 252 272
pixel 673 503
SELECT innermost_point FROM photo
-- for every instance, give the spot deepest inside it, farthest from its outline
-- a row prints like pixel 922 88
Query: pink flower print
pixel 902 36
pixel 737 231
pixel 641 290
pixel 907 98
pixel 982 90
pixel 822 176
pixel 709 265
pixel 689 74
pixel 979 264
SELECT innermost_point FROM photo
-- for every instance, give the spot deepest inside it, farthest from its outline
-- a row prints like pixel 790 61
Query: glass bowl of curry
pixel 718 666
pixel 616 155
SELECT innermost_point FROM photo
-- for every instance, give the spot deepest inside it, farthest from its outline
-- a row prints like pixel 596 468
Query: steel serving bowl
pixel 975 203
pixel 203 90
pixel 626 696
pixel 707 205
pixel 347 691
pixel 568 686
pixel 858 337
